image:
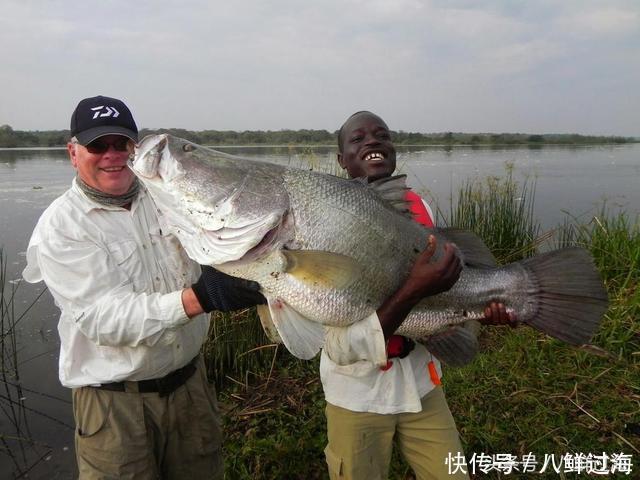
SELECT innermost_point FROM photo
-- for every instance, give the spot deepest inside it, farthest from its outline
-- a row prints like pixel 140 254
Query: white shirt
pixel 351 375
pixel 358 384
pixel 117 279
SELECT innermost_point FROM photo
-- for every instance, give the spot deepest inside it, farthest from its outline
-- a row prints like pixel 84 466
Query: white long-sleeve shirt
pixel 117 279
pixel 351 376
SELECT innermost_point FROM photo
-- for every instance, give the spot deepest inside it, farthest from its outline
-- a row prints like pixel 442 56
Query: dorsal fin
pixel 474 250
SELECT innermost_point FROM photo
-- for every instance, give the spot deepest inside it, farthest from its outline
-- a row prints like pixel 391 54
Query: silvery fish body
pixel 329 251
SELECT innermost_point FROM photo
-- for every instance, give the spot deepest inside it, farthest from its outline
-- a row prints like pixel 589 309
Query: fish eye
pixel 189 147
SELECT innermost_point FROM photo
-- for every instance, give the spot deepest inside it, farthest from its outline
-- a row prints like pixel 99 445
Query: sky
pixel 548 66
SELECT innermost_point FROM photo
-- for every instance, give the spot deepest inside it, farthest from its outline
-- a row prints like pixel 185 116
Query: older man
pixel 132 313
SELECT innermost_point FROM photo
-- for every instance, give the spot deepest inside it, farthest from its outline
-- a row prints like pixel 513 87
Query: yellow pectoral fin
pixel 321 269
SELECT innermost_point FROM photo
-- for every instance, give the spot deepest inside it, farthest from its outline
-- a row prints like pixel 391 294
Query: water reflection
pixel 10 156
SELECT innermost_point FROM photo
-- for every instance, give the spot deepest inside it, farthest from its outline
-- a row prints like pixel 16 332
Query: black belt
pixel 164 386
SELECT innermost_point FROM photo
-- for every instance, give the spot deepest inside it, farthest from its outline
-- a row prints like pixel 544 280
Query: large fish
pixel 328 251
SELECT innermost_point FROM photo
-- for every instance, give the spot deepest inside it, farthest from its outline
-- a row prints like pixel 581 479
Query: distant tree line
pixel 58 138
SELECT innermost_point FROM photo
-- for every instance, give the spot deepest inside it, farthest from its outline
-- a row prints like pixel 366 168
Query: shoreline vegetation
pixel 10 138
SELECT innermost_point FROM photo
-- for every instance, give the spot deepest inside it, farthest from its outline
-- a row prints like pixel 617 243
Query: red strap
pixel 417 207
pixel 394 349
pixel 394 346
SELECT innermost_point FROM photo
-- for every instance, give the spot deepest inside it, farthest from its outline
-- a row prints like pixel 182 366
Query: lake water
pixel 36 420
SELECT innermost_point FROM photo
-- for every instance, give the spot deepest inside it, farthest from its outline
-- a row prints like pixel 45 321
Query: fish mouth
pixel 147 155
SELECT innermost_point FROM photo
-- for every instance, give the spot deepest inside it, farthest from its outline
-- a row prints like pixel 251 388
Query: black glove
pixel 218 291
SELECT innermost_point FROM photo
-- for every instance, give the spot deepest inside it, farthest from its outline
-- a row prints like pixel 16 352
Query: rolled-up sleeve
pixel 363 340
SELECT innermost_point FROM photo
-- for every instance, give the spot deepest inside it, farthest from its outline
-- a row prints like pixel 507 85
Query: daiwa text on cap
pixel 98 116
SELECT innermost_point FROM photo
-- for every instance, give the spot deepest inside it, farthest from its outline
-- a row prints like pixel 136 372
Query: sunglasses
pixel 101 146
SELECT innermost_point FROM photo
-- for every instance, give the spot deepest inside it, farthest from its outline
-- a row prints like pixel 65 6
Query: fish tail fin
pixel 456 346
pixel 569 294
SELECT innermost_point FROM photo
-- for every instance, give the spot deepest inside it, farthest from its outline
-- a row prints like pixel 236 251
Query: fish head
pixel 222 208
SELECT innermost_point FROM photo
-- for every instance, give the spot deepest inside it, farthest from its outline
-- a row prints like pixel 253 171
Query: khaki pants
pixel 142 435
pixel 360 443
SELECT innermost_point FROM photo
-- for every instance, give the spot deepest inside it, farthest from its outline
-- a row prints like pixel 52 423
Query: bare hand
pixel 424 279
pixel 430 278
pixel 497 314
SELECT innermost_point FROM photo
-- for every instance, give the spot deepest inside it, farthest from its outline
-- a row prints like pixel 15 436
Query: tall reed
pixel 237 347
pixel 500 211
pixel 614 241
pixel 18 445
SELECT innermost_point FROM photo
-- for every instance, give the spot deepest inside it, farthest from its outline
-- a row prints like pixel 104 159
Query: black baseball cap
pixel 98 116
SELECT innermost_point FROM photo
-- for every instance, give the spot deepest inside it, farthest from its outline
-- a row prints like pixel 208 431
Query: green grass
pixel 524 393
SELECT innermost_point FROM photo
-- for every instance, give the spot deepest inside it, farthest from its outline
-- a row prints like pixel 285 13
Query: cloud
pixel 427 65
pixel 603 21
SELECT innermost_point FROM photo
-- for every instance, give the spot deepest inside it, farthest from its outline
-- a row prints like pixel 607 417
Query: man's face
pixel 367 149
pixel 105 171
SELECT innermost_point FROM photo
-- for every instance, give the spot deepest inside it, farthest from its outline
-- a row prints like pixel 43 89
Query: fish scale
pixel 348 208
pixel 467 299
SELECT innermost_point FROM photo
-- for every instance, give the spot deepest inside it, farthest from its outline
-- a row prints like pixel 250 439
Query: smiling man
pixel 103 132
pixel 369 407
pixel 132 313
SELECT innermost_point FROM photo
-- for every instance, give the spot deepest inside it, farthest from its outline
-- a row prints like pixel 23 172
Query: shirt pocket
pixel 124 253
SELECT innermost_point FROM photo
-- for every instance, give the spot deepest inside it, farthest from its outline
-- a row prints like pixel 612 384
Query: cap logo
pixel 108 112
